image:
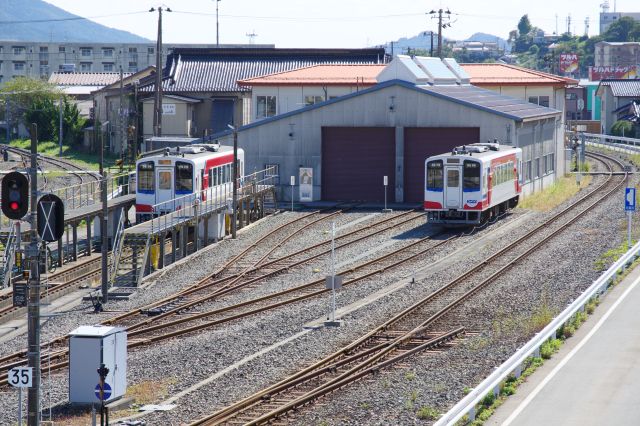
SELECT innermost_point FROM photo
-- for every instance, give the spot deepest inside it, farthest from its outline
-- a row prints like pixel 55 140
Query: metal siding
pixel 354 161
pixel 423 142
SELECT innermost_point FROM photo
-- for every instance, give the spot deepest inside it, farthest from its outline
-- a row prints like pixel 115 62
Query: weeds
pixel 427 413
pixel 554 195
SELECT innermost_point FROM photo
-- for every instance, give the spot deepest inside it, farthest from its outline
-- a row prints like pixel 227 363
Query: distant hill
pixel 13 12
pixel 484 37
pixel 423 41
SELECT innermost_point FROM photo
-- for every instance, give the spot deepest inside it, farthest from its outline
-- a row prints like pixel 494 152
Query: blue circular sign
pixel 106 393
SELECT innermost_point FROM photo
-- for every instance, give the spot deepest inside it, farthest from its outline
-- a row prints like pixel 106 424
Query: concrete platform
pixel 595 377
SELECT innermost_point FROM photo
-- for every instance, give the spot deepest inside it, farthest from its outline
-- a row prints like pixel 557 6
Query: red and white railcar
pixel 472 184
pixel 175 173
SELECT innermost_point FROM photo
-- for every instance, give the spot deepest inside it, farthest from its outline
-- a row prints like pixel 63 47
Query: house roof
pixel 622 87
pixel 85 78
pixel 187 99
pixel 505 74
pixel 335 75
pixel 218 70
pixel 471 96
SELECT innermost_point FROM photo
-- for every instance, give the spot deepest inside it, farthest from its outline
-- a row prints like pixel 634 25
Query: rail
pixel 171 213
pixel 513 365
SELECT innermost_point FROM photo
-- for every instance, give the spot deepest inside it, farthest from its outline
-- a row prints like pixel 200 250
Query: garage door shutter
pixel 354 161
pixel 423 142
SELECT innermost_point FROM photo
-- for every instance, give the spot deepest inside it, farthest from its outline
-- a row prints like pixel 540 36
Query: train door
pixel 165 193
pixel 453 197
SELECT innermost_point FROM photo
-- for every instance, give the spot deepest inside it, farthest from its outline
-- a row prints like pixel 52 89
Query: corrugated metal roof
pixel 624 88
pixel 193 72
pixel 350 74
pixel 471 96
pixel 86 78
pixel 477 97
pixel 510 74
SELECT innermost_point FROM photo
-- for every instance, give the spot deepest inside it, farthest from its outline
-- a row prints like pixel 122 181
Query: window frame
pixel 266 106
pixel 432 181
pixel 180 187
pixel 142 178
pixel 477 186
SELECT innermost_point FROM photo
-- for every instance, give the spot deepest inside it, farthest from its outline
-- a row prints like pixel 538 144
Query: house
pixel 616 98
pixel 212 75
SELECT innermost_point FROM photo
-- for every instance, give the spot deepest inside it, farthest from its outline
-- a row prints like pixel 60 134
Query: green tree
pixel 524 26
pixel 624 29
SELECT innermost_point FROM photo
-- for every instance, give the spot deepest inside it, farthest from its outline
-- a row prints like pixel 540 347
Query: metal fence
pixel 88 193
pixel 168 214
pixel 467 406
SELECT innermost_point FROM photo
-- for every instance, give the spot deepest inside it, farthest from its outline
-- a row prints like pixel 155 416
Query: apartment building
pixel 617 54
pixel 40 60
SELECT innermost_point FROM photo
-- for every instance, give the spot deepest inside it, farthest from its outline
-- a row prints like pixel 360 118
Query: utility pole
pixel 33 322
pixel 157 104
pixel 431 50
pixel 217 25
pixel 234 225
pixel 441 25
pixel 103 226
pixel 7 118
pixel 60 135
pixel 123 133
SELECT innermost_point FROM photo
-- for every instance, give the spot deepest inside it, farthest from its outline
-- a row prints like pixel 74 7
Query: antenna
pixel 605 6
pixel 569 24
pixel 251 36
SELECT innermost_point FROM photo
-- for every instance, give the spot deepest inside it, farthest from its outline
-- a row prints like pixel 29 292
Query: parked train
pixel 472 184
pixel 175 173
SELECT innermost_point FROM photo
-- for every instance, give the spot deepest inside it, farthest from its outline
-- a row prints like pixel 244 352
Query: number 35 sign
pixel 20 377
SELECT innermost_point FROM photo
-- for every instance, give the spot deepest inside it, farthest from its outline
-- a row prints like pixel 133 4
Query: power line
pixel 75 18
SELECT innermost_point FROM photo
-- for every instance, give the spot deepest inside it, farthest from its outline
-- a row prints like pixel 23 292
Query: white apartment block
pixel 39 60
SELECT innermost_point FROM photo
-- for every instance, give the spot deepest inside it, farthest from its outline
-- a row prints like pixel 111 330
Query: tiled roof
pixel 218 70
pixel 624 88
pixel 85 78
pixel 321 75
pixel 506 74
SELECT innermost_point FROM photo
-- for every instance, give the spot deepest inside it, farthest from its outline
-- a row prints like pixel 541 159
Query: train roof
pixel 478 150
pixel 190 152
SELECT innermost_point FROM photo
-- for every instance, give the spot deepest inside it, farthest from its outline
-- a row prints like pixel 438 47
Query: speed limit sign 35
pixel 20 377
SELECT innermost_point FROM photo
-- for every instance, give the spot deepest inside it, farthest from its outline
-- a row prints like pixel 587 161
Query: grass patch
pixel 554 195
pixel 427 413
pixel 610 256
pixel 149 392
pixel 81 159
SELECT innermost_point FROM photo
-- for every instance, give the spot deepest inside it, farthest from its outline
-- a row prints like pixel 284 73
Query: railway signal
pixel 15 195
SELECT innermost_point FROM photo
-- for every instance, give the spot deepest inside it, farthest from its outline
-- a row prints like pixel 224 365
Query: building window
pixel 108 66
pixel 85 66
pixel 133 50
pixel 18 50
pixel 151 50
pixel 18 66
pixel 85 51
pixel 536 168
pixel 539 100
pixel 62 49
pixel 527 171
pixel 310 100
pixel 107 53
pixel 266 106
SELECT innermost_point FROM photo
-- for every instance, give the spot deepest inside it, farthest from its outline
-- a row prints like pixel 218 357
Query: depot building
pixel 341 149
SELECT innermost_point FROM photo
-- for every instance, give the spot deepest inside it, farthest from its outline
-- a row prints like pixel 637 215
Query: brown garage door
pixel 423 142
pixel 354 161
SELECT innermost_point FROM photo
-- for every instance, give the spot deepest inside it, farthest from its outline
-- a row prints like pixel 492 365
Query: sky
pixel 334 23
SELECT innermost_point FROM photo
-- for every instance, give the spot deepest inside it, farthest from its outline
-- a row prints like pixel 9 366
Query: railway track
pixel 415 330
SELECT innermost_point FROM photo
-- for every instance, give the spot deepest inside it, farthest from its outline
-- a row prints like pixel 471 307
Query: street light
pixel 235 181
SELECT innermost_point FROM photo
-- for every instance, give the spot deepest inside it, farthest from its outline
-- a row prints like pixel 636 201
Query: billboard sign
pixel 601 73
pixel 568 63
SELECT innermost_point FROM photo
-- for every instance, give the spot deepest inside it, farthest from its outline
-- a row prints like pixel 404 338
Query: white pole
pixel 629 228
pixel 293 183
pixel 333 272
pixel 20 406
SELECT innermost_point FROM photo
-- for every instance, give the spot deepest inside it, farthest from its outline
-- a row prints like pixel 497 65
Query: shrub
pixel 623 128
pixel 508 390
pixel 488 399
pixel 549 347
pixel 568 331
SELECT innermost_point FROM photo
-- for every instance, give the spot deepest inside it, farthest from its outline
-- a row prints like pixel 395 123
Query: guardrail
pixel 88 193
pixel 609 140
pixel 467 406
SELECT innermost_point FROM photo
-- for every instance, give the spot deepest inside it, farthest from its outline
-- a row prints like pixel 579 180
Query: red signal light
pixel 14 206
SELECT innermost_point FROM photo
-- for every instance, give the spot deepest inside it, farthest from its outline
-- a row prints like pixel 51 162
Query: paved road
pixel 595 378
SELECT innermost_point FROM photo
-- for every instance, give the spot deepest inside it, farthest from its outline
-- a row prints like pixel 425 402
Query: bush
pixel 487 401
pixel 623 128
pixel 550 347
pixel 568 331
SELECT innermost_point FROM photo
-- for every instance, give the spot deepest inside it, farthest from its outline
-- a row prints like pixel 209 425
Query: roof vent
pixel 489 145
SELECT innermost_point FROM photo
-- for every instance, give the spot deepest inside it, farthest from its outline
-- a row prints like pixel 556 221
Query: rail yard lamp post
pixel 234 225
pixel 217 25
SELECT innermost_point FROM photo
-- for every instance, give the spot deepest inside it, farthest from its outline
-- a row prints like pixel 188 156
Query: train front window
pixel 184 177
pixel 471 176
pixel 453 178
pixel 146 176
pixel 434 175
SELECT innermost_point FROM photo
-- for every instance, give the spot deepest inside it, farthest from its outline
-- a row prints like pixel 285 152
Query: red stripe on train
pixel 432 205
pixel 143 208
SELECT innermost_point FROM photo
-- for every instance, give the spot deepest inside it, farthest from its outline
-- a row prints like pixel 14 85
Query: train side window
pixel 471 176
pixel 146 176
pixel 184 177
pixel 434 175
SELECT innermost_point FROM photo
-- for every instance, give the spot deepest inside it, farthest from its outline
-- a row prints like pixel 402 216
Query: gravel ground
pixel 395 395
